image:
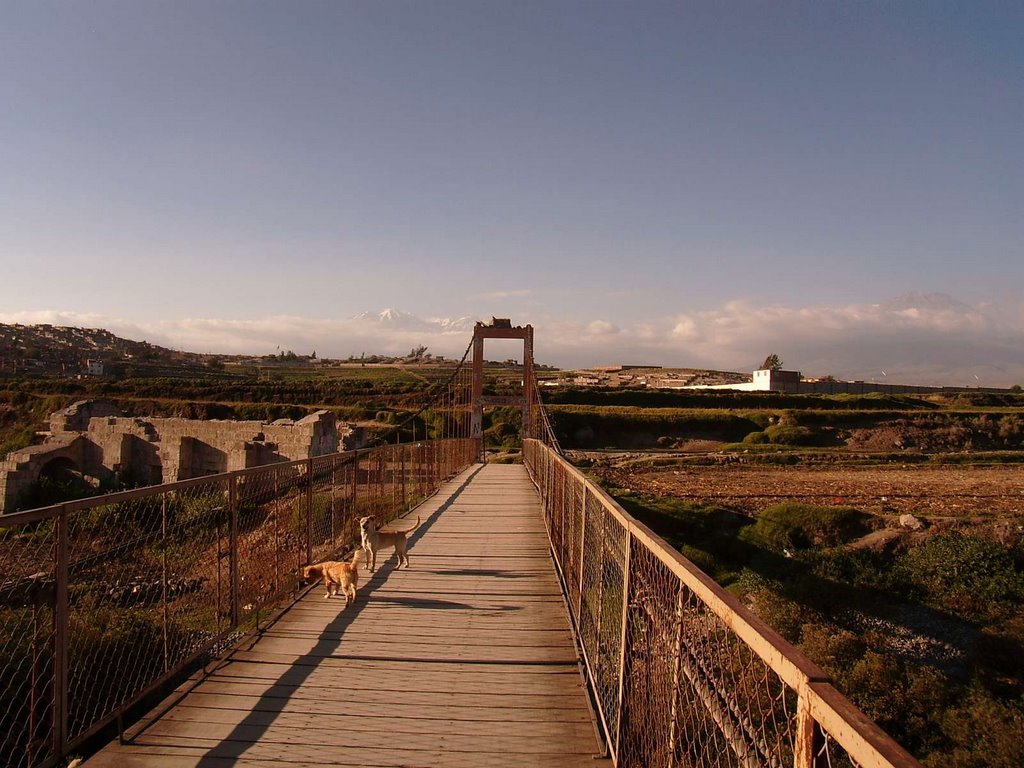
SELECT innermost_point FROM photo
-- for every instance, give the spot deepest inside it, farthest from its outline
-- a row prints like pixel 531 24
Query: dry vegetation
pixel 921 623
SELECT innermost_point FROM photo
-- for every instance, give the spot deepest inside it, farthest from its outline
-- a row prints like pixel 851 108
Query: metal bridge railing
pixel 104 600
pixel 682 674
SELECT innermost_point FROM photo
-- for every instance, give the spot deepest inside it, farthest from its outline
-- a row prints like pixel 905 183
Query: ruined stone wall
pixel 21 468
pixel 110 445
pixel 192 448
pixel 76 417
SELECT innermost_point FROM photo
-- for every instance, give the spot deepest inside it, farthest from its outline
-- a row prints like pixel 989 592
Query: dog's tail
pixel 409 532
pixel 358 556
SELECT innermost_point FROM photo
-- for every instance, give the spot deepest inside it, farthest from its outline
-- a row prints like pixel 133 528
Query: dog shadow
pixel 277 696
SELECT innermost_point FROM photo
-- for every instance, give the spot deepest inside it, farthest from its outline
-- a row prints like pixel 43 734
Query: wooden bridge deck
pixel 464 659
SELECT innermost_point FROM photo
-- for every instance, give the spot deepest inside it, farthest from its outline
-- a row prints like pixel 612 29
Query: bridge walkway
pixel 464 659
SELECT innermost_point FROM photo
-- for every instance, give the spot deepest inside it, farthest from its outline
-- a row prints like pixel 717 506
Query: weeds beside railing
pixel 105 600
pixel 682 674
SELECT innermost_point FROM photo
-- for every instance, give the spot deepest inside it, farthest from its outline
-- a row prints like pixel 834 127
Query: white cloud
pixel 601 328
pixel 494 295
pixel 922 339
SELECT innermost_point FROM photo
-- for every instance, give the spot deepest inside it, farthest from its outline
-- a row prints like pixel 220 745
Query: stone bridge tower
pixel 501 328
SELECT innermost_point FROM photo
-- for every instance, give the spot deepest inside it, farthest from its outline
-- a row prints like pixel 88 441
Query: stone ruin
pixel 92 440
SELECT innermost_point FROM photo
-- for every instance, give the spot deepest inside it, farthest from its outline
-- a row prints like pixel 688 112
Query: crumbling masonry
pixel 97 443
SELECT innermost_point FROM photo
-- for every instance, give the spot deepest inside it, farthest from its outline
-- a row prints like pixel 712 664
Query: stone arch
pixel 60 467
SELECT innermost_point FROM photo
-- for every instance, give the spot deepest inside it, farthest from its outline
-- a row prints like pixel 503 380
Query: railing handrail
pixel 42 513
pixel 826 707
pixel 277 498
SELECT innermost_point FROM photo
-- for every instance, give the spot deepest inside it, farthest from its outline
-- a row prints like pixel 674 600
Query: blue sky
pixel 687 183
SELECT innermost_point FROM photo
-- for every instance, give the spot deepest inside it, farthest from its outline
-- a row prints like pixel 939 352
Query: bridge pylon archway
pixel 502 329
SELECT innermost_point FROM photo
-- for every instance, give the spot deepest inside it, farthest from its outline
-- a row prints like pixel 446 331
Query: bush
pixel 905 699
pixel 800 526
pixel 785 434
pixel 973 576
pixel 764 597
pixel 984 733
pixel 835 650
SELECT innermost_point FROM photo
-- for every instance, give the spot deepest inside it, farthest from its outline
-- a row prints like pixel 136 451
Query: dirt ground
pixel 950 493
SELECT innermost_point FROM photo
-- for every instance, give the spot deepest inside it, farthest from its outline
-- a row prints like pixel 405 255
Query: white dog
pixel 374 539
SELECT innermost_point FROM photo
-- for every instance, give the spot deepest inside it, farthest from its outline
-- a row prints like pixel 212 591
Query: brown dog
pixel 374 539
pixel 337 575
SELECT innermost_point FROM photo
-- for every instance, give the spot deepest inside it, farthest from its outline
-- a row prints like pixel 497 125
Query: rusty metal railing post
pixel 164 607
pixel 622 647
pixel 809 737
pixel 60 634
pixel 405 501
pixel 355 486
pixel 37 685
pixel 309 510
pixel 677 659
pixel 233 564
pixel 277 535
pixel 583 551
pixel 334 485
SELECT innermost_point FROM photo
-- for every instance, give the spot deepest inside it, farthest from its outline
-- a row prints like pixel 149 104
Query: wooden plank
pixel 464 659
pixel 464 708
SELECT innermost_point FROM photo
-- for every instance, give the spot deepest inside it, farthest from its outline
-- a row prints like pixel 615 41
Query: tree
pixel 772 363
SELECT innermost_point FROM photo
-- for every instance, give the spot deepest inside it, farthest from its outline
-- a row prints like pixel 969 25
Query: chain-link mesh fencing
pixel 105 600
pixel 681 673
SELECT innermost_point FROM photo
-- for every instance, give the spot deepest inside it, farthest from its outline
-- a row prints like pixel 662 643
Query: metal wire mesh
pixel 832 755
pixel 103 600
pixel 27 627
pixel 690 678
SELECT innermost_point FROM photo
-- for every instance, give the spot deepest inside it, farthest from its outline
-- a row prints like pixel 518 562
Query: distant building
pixel 94 367
pixel 774 379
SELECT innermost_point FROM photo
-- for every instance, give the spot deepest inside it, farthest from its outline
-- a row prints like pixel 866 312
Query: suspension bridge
pixel 538 624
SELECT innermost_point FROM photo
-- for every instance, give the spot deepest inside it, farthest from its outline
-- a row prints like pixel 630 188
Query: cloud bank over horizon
pixel 914 339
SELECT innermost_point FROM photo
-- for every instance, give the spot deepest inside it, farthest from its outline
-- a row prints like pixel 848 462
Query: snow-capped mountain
pixel 396 319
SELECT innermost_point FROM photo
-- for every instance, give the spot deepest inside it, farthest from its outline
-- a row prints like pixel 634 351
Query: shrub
pixel 799 526
pixel 983 732
pixel 903 698
pixel 764 598
pixel 973 576
pixel 836 650
pixel 785 434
